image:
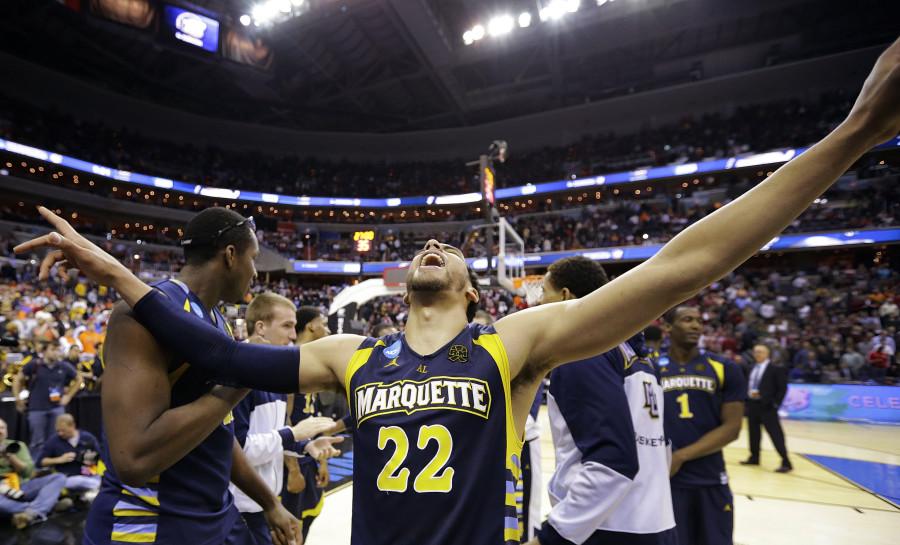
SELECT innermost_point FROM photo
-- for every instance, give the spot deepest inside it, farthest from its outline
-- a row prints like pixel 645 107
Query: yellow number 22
pixel 434 477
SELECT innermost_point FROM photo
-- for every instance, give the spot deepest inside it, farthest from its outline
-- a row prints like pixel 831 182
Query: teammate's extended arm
pixel 263 367
pixel 285 529
pixel 557 333
pixel 145 435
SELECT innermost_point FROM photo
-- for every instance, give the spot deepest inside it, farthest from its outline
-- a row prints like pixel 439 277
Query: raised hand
pixel 311 427
pixel 876 111
pixel 67 246
pixel 323 448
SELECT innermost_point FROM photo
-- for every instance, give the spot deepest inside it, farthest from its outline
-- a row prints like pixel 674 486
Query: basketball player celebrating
pixel 169 442
pixel 704 400
pixel 441 408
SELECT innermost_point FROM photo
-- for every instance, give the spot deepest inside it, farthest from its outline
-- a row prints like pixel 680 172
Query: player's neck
pixel 683 354
pixel 431 326
pixel 205 286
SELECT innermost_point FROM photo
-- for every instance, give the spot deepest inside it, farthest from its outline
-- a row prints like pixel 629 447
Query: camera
pixel 12 448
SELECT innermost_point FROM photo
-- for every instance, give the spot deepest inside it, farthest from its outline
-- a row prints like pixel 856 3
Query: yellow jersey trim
pixel 360 358
pixel 719 368
pixel 133 513
pixel 314 512
pixel 133 538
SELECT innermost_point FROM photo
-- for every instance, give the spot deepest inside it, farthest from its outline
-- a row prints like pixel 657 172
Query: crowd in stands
pixel 836 323
pixel 752 128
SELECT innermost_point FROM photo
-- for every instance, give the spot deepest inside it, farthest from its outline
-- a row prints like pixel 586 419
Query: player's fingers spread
pixel 33 244
pixel 47 264
pixel 65 228
pixel 276 537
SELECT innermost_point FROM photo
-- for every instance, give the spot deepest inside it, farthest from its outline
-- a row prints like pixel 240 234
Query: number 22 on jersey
pixel 434 477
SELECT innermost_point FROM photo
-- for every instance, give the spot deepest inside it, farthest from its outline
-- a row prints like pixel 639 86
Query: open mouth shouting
pixel 432 260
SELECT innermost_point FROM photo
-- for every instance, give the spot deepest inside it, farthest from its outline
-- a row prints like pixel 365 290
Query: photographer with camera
pixel 24 499
pixel 73 453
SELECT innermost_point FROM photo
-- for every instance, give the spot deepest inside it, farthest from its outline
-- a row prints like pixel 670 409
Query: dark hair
pixel 652 333
pixel 305 315
pixel 672 314
pixel 200 240
pixel 378 330
pixel 473 306
pixel 579 274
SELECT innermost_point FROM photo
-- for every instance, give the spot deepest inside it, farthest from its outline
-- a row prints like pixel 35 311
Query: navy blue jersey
pixel 188 502
pixel 436 453
pixel 694 394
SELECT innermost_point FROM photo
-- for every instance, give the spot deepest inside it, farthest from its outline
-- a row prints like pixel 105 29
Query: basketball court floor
pixel 845 489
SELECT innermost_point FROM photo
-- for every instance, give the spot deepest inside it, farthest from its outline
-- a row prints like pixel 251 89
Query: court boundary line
pixel 754 497
pixel 854 483
pixel 829 441
pixel 338 488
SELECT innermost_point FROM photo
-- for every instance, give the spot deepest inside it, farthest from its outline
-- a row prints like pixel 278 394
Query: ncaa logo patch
pixel 393 350
pixel 458 353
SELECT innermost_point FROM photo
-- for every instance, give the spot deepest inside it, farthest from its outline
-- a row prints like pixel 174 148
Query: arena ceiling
pixel 396 65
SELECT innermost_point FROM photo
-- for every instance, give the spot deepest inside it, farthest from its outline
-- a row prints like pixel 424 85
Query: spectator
pixel 26 500
pixel 73 453
pixel 889 312
pixel 852 361
pixel 52 384
pixel 879 362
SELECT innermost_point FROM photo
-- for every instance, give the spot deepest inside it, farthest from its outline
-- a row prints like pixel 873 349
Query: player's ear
pixel 406 298
pixel 473 295
pixel 230 255
pixel 567 295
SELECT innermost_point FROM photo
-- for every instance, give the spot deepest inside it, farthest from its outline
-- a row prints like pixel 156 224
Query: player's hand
pixel 677 462
pixel 322 476
pixel 70 248
pixel 877 109
pixel 285 529
pixel 323 448
pixel 311 427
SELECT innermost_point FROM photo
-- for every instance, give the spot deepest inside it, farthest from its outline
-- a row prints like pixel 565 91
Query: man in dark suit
pixel 767 386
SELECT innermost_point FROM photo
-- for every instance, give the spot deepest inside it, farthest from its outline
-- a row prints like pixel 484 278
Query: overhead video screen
pixel 191 28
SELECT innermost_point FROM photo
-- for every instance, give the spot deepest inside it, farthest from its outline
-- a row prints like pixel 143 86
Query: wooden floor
pixel 811 506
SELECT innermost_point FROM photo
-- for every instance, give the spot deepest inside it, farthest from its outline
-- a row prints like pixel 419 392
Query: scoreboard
pixel 363 241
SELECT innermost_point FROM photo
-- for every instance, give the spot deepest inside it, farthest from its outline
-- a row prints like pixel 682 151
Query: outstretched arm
pixel 263 367
pixel 553 334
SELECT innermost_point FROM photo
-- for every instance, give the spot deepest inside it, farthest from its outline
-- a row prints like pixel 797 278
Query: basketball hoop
pixel 532 286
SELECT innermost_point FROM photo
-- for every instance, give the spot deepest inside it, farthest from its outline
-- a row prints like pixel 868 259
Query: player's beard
pixel 431 283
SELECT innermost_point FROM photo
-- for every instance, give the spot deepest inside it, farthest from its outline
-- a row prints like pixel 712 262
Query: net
pixel 532 287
